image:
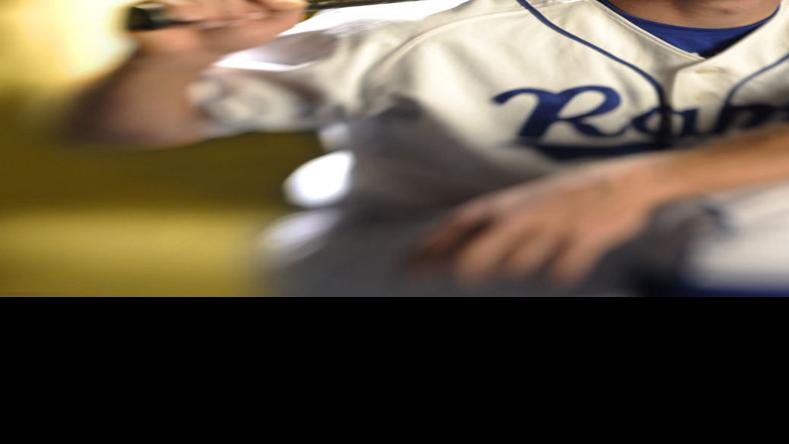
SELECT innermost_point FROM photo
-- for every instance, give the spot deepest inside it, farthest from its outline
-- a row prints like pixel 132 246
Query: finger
pixel 242 8
pixel 532 254
pixel 209 11
pixel 284 13
pixel 187 10
pixel 261 26
pixel 577 260
pixel 213 9
pixel 222 10
pixel 427 262
pixel 282 5
pixel 218 11
pixel 226 12
pixel 452 232
pixel 481 258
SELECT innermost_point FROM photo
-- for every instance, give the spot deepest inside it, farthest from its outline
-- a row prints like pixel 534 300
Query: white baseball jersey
pixel 439 100
pixel 433 95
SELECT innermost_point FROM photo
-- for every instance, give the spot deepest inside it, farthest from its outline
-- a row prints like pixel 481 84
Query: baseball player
pixel 493 147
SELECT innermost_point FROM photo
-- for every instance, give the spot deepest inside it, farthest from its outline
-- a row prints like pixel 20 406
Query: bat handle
pixel 152 15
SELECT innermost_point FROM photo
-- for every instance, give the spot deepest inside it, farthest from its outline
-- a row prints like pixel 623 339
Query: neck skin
pixel 700 13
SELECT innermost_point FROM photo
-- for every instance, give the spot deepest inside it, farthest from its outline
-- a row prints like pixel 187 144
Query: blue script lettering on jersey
pixel 550 105
pixel 548 112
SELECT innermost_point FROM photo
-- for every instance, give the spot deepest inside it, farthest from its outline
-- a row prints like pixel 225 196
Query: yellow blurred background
pixel 79 221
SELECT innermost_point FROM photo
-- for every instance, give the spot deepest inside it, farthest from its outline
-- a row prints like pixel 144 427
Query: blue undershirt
pixel 704 41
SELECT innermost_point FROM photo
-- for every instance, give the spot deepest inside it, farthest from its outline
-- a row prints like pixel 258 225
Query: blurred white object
pixel 297 236
pixel 321 182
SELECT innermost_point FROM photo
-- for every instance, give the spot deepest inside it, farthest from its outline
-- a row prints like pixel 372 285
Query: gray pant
pixel 361 253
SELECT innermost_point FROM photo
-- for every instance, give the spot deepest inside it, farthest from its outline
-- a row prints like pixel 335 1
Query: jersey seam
pixel 386 62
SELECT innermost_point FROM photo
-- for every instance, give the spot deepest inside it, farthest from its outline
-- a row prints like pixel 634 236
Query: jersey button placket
pixel 713 81
pixel 709 70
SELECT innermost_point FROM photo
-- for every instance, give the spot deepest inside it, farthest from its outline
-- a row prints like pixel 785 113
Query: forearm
pixel 144 102
pixel 758 157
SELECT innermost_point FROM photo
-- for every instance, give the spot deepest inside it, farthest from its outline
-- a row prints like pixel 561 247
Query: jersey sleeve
pixel 302 80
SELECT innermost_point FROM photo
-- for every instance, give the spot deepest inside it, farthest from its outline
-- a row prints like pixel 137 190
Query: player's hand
pixel 221 27
pixel 560 226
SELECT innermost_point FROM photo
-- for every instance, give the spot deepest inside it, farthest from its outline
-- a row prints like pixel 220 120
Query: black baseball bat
pixel 150 16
